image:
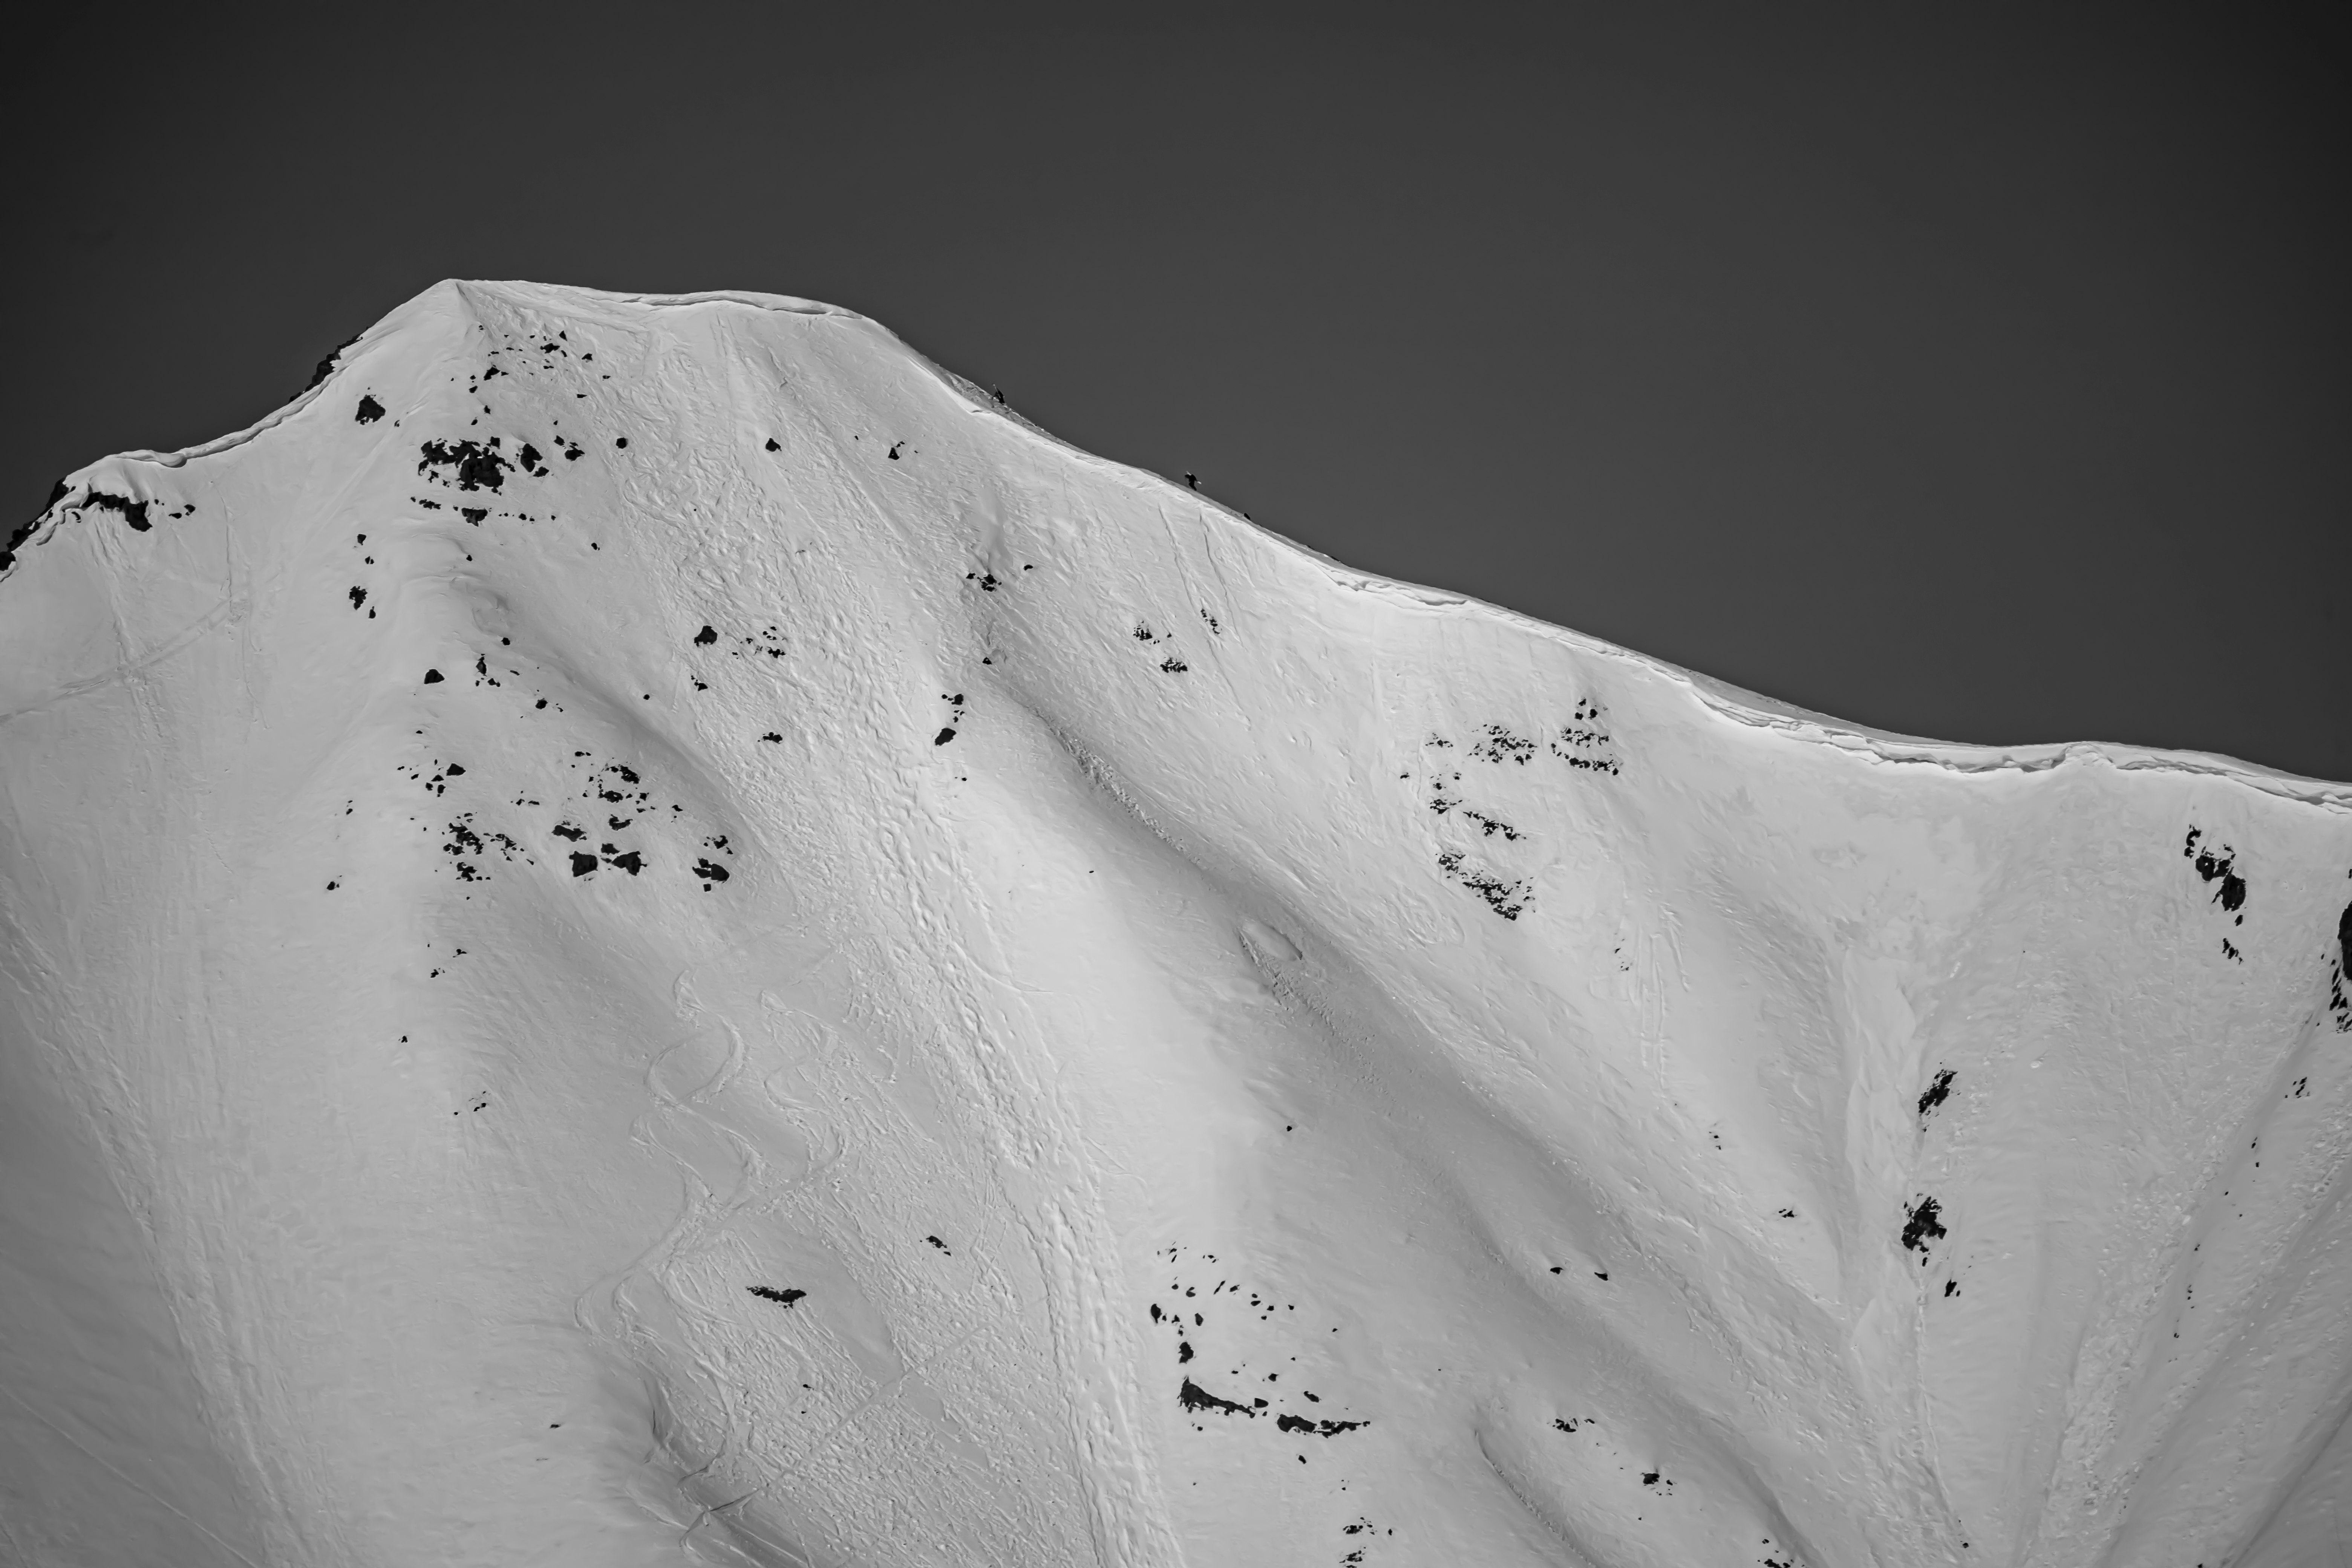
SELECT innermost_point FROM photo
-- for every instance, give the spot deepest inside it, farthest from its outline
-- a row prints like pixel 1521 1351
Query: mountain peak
pixel 646 918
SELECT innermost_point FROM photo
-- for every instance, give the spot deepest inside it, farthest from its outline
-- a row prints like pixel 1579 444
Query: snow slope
pixel 644 930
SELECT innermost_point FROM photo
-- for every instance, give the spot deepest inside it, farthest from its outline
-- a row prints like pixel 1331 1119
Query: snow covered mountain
pixel 647 930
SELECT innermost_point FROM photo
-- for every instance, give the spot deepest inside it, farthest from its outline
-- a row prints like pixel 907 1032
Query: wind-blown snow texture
pixel 645 929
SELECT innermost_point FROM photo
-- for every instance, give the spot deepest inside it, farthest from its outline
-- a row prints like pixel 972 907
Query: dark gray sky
pixel 1982 375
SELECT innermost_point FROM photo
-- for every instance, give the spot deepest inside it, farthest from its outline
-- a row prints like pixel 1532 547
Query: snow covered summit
pixel 646 930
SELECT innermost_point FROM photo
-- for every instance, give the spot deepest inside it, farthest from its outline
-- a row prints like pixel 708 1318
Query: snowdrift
pixel 646 930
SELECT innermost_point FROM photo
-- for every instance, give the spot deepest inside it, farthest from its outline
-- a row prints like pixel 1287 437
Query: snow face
pixel 646 929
